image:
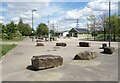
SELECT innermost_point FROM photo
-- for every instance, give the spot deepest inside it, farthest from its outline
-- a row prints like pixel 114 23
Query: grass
pixel 5 48
pixel 13 40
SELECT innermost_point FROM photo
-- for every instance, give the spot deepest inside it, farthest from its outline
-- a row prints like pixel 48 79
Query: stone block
pixel 40 44
pixel 84 44
pixel 46 61
pixel 104 45
pixel 109 50
pixel 61 44
pixel 39 40
pixel 85 55
pixel 54 38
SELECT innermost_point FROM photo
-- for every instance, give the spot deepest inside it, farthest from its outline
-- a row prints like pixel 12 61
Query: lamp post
pixel 32 24
pixel 109 23
pixel 48 28
pixel 94 29
pixel 87 28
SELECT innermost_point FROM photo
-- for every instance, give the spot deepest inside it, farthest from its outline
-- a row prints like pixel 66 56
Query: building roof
pixel 79 30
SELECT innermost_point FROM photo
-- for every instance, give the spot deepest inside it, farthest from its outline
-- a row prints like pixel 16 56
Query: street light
pixel 109 24
pixel 48 28
pixel 32 24
pixel 87 28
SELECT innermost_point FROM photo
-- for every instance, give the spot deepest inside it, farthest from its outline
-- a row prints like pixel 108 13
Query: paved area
pixel 15 65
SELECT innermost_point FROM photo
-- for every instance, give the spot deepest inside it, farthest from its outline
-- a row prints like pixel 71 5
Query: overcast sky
pixel 62 13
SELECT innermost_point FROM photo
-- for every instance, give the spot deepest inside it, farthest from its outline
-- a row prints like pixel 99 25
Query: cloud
pixel 16 20
pixel 26 0
pixel 101 5
pixel 28 15
pixel 1 19
pixel 57 14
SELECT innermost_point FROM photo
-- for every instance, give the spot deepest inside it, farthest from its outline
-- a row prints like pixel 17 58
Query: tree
pixel 21 26
pixel 103 24
pixel 10 30
pixel 42 29
pixel 2 30
pixel 24 29
pixel 92 19
pixel 114 25
pixel 52 32
pixel 27 30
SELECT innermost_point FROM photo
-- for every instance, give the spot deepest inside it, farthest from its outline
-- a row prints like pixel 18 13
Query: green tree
pixel 2 30
pixel 114 25
pixel 27 30
pixel 24 29
pixel 21 26
pixel 42 29
pixel 10 30
pixel 52 32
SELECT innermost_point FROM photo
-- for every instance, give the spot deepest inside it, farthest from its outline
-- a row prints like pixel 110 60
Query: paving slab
pixel 104 68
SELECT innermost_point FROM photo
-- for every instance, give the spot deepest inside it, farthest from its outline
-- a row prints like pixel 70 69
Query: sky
pixel 62 14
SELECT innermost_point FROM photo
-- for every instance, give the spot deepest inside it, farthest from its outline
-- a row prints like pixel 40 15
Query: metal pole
pixel 87 28
pixel 77 19
pixel 109 24
pixel 57 31
pixel 48 29
pixel 94 29
pixel 32 25
pixel 53 29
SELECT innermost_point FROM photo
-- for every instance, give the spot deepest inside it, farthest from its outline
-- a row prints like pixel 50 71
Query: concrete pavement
pixel 103 68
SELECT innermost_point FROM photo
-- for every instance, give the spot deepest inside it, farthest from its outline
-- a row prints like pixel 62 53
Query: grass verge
pixel 13 40
pixel 5 48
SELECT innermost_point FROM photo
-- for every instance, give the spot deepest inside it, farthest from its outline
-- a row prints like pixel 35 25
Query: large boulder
pixel 109 50
pixel 46 61
pixel 85 55
pixel 61 44
pixel 40 44
pixel 84 44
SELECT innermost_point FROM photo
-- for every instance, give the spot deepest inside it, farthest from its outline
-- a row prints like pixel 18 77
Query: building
pixel 62 33
pixel 77 32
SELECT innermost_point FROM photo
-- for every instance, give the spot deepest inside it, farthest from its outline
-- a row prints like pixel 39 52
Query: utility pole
pixel 57 29
pixel 109 23
pixel 77 19
pixel 77 23
pixel 53 28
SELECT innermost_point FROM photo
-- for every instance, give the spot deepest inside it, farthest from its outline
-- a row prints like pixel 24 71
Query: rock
pixel 51 39
pixel 109 50
pixel 46 61
pixel 39 40
pixel 61 44
pixel 84 44
pixel 40 44
pixel 85 55
pixel 104 45
pixel 54 38
pixel 46 39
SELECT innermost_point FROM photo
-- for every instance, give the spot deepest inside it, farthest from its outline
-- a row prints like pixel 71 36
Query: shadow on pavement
pixel 30 67
pixel 105 53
